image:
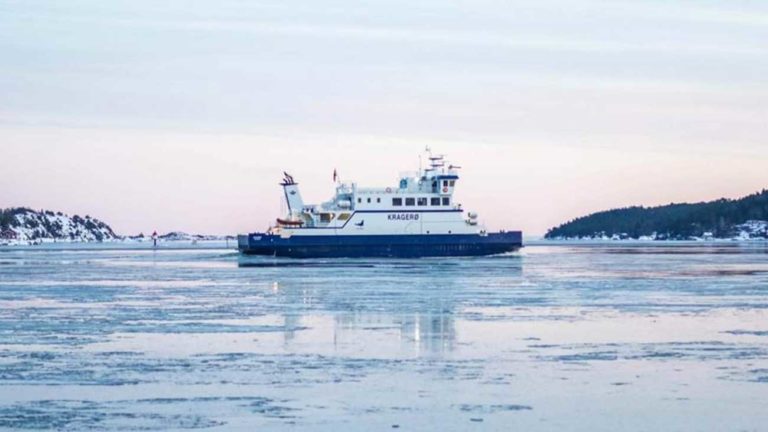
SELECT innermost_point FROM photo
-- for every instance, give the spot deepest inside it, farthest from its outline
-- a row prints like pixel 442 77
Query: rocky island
pixel 24 226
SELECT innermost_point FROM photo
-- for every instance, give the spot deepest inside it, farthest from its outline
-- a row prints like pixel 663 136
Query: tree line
pixel 673 221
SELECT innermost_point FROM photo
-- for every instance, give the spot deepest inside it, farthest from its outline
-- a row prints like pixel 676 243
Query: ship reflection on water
pixel 419 333
pixel 408 307
pixel 408 320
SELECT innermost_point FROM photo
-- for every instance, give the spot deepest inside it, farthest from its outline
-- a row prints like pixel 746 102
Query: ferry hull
pixel 392 246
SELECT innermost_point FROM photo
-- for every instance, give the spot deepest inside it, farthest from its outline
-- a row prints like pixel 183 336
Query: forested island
pixel 745 218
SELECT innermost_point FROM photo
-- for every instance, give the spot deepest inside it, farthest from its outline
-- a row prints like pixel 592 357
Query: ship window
pixel 396 202
pixel 378 200
pixel 410 201
pixel 453 183
pixel 435 201
pixel 369 200
pixel 445 183
pixel 446 201
pixel 359 200
pixel 343 216
pixel 326 217
pixel 422 201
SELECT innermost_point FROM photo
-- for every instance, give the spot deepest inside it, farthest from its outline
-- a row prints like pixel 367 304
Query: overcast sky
pixel 182 115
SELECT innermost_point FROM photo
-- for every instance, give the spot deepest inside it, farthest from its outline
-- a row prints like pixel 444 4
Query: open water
pixel 557 337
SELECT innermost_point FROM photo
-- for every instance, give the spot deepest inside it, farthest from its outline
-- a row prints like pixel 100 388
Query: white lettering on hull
pixel 403 217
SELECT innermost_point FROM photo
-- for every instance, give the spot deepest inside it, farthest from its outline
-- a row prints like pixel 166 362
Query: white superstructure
pixel 420 203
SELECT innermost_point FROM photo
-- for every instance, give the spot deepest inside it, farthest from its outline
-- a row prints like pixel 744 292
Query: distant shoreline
pixel 636 240
pixel 219 245
pixel 123 245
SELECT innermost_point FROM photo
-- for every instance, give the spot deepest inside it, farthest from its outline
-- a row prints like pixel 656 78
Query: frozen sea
pixel 577 337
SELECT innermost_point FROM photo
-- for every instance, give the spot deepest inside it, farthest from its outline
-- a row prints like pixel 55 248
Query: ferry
pixel 417 217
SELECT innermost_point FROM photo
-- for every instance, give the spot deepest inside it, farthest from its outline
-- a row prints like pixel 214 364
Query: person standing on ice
pixel 154 239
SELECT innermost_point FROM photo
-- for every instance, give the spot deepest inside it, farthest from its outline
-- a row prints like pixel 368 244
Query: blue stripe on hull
pixel 395 246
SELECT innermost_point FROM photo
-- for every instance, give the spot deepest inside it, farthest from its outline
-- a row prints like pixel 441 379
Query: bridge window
pixel 434 201
pixel 422 201
pixel 445 183
pixel 453 183
pixel 343 216
pixel 410 201
pixel 446 201
pixel 397 202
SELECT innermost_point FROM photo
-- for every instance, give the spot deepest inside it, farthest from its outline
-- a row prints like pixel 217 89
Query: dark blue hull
pixel 394 246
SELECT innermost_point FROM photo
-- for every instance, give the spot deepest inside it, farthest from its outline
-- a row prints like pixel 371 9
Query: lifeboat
pixel 283 222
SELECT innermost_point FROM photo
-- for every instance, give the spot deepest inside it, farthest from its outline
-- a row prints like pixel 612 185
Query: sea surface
pixel 577 337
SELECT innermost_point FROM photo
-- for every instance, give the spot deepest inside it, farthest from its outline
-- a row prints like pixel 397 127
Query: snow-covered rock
pixel 182 236
pixel 175 236
pixel 752 229
pixel 25 226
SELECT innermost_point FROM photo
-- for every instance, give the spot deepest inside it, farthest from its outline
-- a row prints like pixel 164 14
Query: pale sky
pixel 182 115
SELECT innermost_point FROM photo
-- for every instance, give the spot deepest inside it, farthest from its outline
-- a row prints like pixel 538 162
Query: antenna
pixel 428 151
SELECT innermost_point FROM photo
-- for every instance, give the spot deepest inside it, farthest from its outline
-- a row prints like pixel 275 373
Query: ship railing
pixel 366 191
